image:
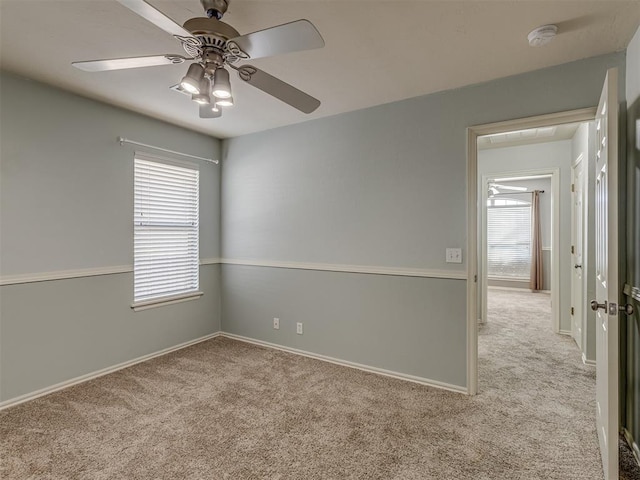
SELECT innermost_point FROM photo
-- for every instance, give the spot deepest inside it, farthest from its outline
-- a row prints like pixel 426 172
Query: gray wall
pixel 66 197
pixel 494 162
pixel 630 326
pixel 368 316
pixel 383 186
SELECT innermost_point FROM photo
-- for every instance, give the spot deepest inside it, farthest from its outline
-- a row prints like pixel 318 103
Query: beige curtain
pixel 535 282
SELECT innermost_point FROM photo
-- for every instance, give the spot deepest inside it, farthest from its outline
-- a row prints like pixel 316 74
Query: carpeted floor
pixel 228 410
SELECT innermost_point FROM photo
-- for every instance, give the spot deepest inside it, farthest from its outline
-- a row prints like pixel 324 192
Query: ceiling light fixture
pixel 191 81
pixel 225 102
pixel 203 97
pixel 542 35
pixel 221 84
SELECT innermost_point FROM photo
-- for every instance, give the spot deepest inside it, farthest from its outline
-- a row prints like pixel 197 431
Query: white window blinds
pixel 509 241
pixel 165 249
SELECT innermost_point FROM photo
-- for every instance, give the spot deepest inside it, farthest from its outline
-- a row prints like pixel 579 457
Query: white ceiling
pixel 376 51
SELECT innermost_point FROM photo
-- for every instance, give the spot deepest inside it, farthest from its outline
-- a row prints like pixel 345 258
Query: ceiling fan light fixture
pixel 225 102
pixel 203 98
pixel 221 83
pixel 200 98
pixel 192 80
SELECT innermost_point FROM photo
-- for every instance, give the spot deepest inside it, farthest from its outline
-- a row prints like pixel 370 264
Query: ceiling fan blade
pixel 277 88
pixel 289 37
pixel 508 187
pixel 207 112
pixel 155 16
pixel 130 62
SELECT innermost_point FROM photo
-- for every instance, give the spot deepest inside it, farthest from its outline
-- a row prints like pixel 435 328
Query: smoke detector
pixel 542 35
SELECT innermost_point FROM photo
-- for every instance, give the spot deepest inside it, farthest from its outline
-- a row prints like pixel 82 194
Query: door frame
pixel 554 172
pixel 473 132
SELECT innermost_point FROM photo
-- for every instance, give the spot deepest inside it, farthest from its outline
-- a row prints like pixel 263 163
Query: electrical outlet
pixel 454 255
pixel 299 328
pixel 276 323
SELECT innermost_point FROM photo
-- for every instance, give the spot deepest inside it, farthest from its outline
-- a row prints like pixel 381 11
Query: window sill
pixel 509 279
pixel 162 301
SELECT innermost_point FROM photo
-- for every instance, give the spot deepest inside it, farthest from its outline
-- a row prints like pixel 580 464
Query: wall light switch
pixel 454 255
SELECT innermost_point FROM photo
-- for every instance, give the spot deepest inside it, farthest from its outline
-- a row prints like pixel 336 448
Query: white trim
pixel 473 132
pixel 572 116
pixel 519 290
pixel 587 361
pixel 162 301
pixel 210 261
pixel 507 279
pixel 568 333
pixel 99 373
pixel 472 261
pixel 325 267
pixel 345 363
pixel 79 273
pixel 63 274
pixel 546 249
pixel 366 269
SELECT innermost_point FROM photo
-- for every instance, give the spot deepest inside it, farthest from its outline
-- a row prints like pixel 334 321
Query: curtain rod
pixel 515 193
pixel 123 140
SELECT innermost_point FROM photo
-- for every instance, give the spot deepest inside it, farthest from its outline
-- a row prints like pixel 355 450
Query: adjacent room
pixel 246 239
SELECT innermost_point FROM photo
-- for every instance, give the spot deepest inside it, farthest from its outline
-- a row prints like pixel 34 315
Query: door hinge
pixel 573 187
pixel 572 310
pixel 573 249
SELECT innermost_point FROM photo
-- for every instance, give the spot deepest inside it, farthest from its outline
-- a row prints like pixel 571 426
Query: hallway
pixel 538 378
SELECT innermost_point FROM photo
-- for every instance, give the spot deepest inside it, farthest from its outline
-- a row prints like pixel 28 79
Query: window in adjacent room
pixel 165 240
pixel 508 239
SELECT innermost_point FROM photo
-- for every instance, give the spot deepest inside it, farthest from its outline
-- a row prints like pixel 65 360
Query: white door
pixel 577 235
pixel 606 271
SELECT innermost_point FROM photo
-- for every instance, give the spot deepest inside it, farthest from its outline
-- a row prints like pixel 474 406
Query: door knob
pixel 577 266
pixel 595 305
pixel 626 309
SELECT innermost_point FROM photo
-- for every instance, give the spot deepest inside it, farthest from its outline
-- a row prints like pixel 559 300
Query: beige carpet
pixel 228 410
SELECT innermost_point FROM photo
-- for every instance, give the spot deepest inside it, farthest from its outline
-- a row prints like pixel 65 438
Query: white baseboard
pixel 105 371
pixel 99 373
pixel 565 332
pixel 345 363
pixel 587 362
pixel 632 444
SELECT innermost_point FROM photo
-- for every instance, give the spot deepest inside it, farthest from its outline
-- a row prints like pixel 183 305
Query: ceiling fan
pixel 213 46
pixel 494 188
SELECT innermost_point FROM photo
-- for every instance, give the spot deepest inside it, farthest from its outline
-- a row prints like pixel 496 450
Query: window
pixel 165 239
pixel 509 240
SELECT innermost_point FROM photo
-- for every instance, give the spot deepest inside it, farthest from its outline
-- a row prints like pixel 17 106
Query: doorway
pixel 605 268
pixel 475 197
pixel 508 224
